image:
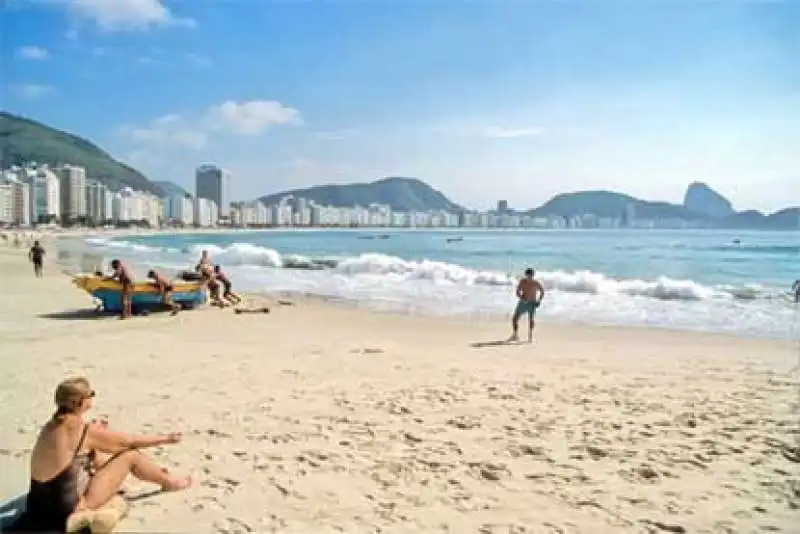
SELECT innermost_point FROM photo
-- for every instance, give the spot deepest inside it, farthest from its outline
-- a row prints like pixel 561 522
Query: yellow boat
pixel 145 295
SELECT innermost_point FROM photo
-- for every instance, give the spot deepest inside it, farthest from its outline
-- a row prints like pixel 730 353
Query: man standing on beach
pixel 120 273
pixel 796 289
pixel 530 293
pixel 36 256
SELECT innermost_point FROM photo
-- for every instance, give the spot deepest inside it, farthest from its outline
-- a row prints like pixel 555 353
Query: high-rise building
pixel 97 203
pixel 21 203
pixel 502 206
pixel 206 212
pixel 214 184
pixel 45 195
pixel 6 203
pixel 73 191
pixel 180 209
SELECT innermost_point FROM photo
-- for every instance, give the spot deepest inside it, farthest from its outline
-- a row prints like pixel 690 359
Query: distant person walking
pixel 36 257
pixel 530 293
pixel 796 290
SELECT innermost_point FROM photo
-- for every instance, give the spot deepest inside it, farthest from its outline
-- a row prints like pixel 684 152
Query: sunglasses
pixel 91 394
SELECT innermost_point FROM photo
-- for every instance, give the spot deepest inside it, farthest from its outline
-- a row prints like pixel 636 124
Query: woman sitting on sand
pixel 77 465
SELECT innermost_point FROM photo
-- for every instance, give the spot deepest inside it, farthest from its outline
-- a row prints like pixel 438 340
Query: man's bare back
pixel 529 289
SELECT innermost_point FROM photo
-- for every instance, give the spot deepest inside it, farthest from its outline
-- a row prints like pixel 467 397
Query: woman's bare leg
pixel 109 477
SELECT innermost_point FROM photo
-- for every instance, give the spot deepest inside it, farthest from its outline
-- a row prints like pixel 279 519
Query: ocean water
pixel 685 280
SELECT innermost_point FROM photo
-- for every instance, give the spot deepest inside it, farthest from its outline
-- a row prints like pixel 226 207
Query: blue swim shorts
pixel 526 306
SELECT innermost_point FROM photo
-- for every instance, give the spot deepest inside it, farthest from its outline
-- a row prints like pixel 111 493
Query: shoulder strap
pixel 83 438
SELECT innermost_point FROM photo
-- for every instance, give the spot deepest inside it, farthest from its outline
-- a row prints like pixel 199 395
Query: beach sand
pixel 317 418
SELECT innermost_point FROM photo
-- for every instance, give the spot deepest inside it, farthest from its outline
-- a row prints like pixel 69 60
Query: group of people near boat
pixel 219 286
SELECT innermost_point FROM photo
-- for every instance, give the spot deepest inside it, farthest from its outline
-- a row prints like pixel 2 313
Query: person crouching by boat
pixel 78 465
pixel 121 274
pixel 206 270
pixel 165 288
pixel 228 293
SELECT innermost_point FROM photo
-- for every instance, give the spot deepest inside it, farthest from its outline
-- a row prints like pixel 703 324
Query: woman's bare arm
pixel 105 440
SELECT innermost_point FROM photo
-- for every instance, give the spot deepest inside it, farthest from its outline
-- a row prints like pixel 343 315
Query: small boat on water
pixel 455 239
pixel 145 295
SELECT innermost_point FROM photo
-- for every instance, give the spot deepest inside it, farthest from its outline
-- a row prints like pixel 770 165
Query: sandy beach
pixel 316 418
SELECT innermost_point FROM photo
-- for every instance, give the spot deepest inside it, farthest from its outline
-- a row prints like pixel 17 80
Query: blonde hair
pixel 69 396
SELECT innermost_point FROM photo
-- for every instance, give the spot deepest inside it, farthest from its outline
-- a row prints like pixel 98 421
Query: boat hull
pixel 144 295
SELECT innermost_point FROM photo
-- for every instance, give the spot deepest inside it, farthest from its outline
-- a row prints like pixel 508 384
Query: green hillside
pixel 23 140
pixel 170 189
pixel 402 194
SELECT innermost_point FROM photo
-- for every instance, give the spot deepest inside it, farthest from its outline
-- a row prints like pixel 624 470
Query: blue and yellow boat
pixel 145 295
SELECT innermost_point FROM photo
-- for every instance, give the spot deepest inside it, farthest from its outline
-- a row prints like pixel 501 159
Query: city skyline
pixel 481 101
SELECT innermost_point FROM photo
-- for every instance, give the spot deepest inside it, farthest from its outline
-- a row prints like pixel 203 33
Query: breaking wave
pixel 395 269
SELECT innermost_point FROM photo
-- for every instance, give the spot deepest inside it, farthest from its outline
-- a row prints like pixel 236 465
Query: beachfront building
pixel 213 183
pixel 73 192
pixel 21 203
pixel 206 213
pixel 136 207
pixel 6 203
pixel 99 203
pixel 45 193
pixel 16 203
pixel 253 213
pixel 180 209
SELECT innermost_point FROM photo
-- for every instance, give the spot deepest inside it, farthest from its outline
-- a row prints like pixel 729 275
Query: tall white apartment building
pixel 6 203
pixel 45 196
pixel 21 203
pixel 99 204
pixel 181 209
pixel 214 183
pixel 73 191
pixel 254 212
pixel 206 212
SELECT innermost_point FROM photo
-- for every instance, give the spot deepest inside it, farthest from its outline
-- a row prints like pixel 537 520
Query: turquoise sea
pixel 736 282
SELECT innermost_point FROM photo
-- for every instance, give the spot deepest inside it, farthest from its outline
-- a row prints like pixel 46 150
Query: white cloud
pixel 33 53
pixel 250 118
pixel 118 15
pixel 495 132
pixel 172 130
pixel 32 91
pixel 246 118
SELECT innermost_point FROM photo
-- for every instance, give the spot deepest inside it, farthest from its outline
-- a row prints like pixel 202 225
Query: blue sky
pixel 516 99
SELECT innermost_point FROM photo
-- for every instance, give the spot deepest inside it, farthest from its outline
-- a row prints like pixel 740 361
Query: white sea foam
pixel 443 287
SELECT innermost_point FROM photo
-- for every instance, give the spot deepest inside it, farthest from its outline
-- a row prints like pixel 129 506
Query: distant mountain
pixel 23 140
pixel 700 198
pixel 608 204
pixel 787 219
pixel 170 189
pixel 402 194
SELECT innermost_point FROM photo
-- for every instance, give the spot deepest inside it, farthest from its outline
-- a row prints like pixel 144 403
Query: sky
pixel 483 99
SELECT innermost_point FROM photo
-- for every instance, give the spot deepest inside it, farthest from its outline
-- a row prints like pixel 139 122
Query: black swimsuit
pixel 50 503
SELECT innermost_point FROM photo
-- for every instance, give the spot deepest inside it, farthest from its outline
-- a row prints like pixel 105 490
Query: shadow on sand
pixel 144 495
pixel 87 314
pixel 495 343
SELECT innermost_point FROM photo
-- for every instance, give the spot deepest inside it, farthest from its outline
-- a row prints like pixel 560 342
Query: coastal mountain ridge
pixel 25 140
pixel 402 194
pixel 170 189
